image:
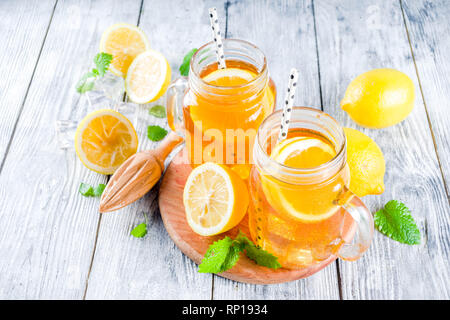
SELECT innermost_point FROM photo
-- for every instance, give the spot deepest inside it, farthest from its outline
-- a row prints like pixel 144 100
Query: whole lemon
pixel 366 163
pixel 379 98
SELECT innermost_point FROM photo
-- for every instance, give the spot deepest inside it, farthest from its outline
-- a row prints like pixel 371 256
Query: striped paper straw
pixel 217 37
pixel 287 107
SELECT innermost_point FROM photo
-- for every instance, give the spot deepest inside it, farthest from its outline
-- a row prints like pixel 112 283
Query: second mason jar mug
pixel 219 110
pixel 302 210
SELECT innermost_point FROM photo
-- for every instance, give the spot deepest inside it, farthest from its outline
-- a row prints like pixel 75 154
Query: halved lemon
pixel 148 77
pixel 104 140
pixel 124 42
pixel 291 200
pixel 215 199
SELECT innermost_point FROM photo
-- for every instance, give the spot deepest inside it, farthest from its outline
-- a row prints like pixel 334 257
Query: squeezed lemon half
pixel 104 140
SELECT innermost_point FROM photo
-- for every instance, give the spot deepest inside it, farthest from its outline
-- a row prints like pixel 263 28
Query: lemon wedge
pixel 215 199
pixel 104 140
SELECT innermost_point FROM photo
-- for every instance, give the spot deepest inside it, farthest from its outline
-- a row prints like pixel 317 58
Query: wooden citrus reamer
pixel 137 175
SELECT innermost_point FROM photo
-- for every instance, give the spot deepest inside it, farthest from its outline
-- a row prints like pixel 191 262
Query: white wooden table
pixel 54 243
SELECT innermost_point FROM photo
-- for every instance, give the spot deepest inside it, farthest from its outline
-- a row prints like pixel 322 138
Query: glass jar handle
pixel 174 104
pixel 361 231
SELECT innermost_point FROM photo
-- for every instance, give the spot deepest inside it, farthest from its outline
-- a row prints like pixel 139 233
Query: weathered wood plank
pixel 152 267
pixel 23 26
pixel 429 31
pixel 48 230
pixel 284 30
pixel 353 37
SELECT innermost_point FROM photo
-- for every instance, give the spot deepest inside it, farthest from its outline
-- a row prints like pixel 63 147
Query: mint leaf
pixel 216 256
pixel 99 190
pixel 184 68
pixel 86 190
pixel 396 222
pixel 102 60
pixel 232 258
pixel 260 256
pixel 157 111
pixel 156 133
pixel 139 231
pixel 89 191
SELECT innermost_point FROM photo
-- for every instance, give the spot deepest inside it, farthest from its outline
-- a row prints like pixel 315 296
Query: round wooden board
pixel 195 246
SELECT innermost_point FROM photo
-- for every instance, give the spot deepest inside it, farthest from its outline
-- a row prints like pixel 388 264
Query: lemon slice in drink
pixel 215 199
pixel 303 152
pixel 104 140
pixel 124 42
pixel 148 77
pixel 229 77
pixel 288 200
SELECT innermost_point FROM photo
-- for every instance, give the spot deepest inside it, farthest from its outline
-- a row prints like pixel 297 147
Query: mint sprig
pixel 102 61
pixel 396 222
pixel 184 68
pixel 223 254
pixel 89 191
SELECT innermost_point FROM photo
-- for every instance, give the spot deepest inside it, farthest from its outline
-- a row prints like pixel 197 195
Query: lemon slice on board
pixel 124 42
pixel 148 77
pixel 104 140
pixel 215 199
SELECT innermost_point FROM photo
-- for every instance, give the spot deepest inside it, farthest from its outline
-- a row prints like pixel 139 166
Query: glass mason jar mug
pixel 302 210
pixel 218 111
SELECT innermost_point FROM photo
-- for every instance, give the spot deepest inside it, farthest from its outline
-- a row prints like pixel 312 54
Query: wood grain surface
pixel 53 242
pixel 348 45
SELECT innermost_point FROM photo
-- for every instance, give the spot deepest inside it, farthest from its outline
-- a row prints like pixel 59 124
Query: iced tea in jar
pixel 301 209
pixel 220 110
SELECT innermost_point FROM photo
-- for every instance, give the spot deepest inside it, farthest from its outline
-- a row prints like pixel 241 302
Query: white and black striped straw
pixel 217 37
pixel 287 107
